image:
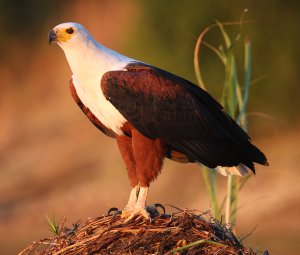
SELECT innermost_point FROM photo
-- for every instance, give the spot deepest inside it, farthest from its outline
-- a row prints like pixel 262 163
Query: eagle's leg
pixel 132 198
pixel 131 204
pixel 143 158
pixel 139 206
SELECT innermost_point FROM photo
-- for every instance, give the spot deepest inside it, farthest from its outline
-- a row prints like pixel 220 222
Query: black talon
pixel 153 212
pixel 160 206
pixel 115 210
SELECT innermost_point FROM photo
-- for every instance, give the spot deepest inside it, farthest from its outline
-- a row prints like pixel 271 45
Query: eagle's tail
pixel 227 157
pixel 240 170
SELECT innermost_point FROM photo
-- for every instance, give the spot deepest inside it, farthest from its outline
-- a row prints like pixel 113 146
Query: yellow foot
pixel 132 212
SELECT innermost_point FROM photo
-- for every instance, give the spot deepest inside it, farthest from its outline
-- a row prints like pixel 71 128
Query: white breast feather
pixel 88 68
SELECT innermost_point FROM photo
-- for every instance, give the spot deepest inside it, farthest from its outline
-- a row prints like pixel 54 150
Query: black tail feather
pixel 213 153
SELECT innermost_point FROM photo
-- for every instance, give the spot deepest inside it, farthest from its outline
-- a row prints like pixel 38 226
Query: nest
pixel 184 232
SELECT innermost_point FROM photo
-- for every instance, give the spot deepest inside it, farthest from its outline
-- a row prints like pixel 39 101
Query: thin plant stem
pixel 198 44
pixel 228 201
pixel 234 100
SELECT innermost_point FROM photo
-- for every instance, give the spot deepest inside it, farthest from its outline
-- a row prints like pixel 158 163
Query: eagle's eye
pixel 70 30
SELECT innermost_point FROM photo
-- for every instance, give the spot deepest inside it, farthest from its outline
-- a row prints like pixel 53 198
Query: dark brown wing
pixel 162 105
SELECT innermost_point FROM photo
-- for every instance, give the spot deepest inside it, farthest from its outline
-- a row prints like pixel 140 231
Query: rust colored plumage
pixel 138 152
pixel 142 156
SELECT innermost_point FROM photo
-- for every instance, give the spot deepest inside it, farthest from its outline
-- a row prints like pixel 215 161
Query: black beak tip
pixel 52 36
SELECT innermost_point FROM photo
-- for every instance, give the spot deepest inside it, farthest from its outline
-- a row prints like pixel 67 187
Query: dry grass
pixel 184 232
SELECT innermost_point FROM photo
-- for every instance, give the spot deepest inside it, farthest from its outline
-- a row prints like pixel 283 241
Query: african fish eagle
pixel 152 114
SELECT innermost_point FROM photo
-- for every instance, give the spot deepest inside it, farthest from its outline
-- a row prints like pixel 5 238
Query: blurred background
pixel 54 162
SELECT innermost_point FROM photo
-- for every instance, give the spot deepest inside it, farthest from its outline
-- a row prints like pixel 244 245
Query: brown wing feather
pixel 162 105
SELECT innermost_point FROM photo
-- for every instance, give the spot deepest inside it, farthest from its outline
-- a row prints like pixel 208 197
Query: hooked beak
pixel 52 36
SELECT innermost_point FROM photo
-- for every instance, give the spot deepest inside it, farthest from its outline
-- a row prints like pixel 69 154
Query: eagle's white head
pixel 79 46
pixel 70 34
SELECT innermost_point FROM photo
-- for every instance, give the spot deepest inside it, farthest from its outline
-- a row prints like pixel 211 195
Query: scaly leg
pixel 132 198
pixel 139 207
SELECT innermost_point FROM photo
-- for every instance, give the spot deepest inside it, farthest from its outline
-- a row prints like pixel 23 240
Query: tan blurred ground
pixel 54 162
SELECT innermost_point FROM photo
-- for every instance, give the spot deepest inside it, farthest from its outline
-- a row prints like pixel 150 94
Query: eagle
pixel 153 114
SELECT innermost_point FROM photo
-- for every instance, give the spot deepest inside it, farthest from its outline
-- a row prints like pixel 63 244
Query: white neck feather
pixel 89 61
pixel 92 57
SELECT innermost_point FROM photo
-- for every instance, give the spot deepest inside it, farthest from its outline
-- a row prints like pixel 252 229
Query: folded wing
pixel 162 105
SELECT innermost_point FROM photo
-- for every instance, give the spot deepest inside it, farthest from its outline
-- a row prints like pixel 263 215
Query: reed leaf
pixel 234 99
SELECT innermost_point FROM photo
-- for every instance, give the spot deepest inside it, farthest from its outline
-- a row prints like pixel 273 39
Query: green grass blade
pixel 197 68
pixel 234 88
pixel 215 202
pixel 54 227
pixel 196 243
pixel 247 81
pixel 207 182
pixel 224 34
pixel 229 201
pixel 210 181
pixel 217 51
pixel 234 199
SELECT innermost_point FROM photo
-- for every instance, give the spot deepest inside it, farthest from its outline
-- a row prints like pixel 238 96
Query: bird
pixel 152 114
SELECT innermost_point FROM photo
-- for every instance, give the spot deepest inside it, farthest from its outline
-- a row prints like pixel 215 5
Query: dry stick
pixel 76 244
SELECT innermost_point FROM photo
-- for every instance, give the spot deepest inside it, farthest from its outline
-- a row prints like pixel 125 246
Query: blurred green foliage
pixel 167 33
pixel 164 33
